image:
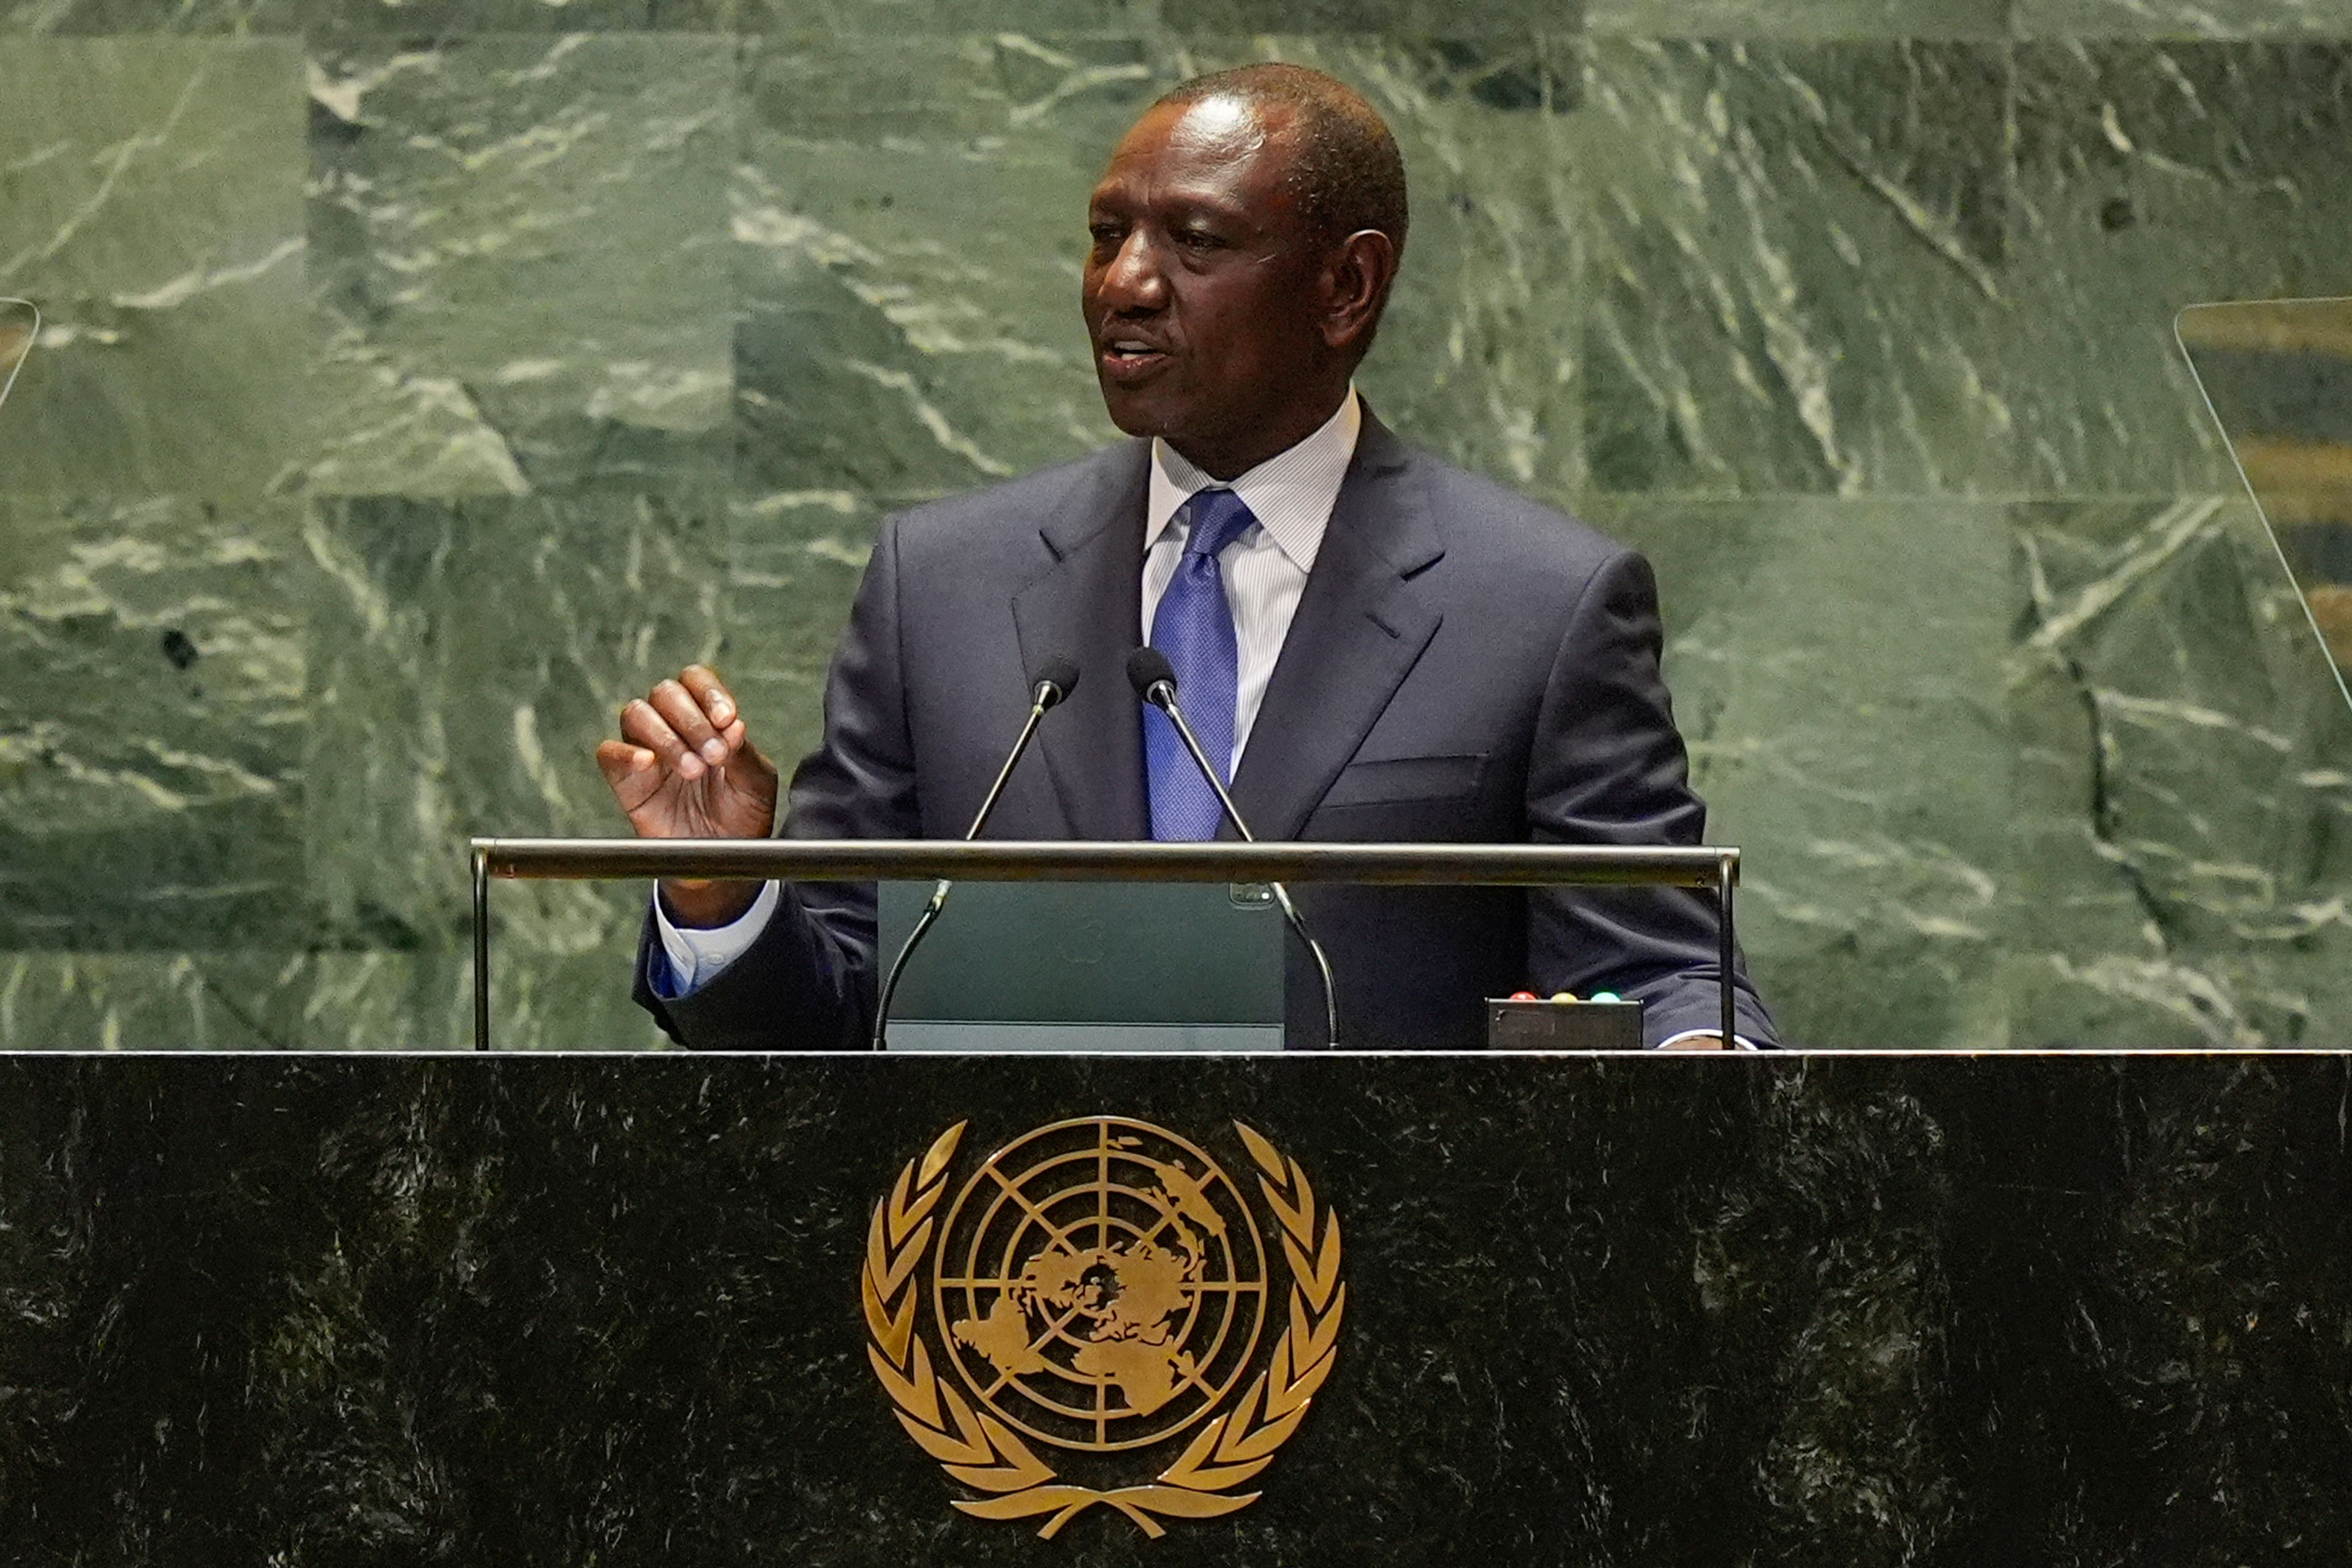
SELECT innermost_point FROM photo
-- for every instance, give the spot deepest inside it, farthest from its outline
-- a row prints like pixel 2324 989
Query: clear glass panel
pixel 2278 374
pixel 19 324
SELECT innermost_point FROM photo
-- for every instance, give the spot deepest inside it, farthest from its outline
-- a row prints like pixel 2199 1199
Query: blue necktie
pixel 1194 627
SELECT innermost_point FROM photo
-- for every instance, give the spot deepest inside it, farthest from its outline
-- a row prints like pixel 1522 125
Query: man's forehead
pixel 1223 122
pixel 1212 139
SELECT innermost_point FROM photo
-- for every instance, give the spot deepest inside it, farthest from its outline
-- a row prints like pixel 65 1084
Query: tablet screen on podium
pixel 1086 966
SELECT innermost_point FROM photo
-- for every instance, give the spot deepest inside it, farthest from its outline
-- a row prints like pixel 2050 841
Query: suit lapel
pixel 1361 625
pixel 1085 608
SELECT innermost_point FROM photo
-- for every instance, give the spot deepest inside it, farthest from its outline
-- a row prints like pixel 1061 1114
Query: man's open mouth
pixel 1131 352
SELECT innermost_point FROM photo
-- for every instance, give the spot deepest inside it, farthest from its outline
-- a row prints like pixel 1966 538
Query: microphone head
pixel 1148 671
pixel 1055 679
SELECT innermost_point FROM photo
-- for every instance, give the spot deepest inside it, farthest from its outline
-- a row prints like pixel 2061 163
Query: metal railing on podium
pixel 1707 867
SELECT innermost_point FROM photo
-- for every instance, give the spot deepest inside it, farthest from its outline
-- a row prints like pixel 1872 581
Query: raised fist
pixel 685 768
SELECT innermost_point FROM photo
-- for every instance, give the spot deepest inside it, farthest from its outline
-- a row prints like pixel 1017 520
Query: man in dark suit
pixel 1382 646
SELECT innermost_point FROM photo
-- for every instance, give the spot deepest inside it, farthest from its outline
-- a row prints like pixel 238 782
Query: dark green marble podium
pixel 1600 1310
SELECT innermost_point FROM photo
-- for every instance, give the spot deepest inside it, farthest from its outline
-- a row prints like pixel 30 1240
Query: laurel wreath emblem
pixel 979 1451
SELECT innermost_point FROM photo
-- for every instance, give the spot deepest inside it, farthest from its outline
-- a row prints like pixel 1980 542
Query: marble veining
pixel 420 380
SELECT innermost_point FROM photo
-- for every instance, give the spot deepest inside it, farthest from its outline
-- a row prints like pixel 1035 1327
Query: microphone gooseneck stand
pixel 1057 679
pixel 1154 679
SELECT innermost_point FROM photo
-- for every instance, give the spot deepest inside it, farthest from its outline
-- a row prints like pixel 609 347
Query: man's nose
pixel 1134 281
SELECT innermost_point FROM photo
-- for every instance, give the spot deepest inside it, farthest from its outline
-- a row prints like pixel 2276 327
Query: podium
pixel 1751 1308
pixel 1716 869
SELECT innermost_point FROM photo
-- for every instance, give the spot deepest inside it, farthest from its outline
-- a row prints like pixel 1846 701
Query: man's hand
pixel 685 768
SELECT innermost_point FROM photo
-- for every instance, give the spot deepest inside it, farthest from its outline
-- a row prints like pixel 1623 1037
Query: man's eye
pixel 1106 234
pixel 1200 239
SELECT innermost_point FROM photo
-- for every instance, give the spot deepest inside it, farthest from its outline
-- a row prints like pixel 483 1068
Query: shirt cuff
pixel 1739 1042
pixel 697 954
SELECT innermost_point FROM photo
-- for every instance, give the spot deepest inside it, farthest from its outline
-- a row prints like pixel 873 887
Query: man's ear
pixel 1356 285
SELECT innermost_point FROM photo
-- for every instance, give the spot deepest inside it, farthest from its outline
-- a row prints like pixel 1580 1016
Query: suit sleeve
pixel 1609 767
pixel 808 983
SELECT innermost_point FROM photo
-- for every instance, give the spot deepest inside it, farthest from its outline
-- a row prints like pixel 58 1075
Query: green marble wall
pixel 422 379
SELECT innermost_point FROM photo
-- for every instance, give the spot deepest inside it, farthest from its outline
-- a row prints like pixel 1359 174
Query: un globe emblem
pixel 1103 1288
pixel 1102 1284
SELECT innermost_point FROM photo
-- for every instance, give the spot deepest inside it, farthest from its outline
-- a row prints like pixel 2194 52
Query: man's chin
pixel 1138 413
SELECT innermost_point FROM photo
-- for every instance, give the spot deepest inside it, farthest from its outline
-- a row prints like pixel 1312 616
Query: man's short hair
pixel 1350 174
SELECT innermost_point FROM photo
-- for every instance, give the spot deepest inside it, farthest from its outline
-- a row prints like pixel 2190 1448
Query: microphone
pixel 1057 679
pixel 1154 679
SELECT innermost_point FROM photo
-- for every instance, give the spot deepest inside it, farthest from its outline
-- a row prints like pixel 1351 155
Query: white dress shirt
pixel 1291 495
pixel 1264 569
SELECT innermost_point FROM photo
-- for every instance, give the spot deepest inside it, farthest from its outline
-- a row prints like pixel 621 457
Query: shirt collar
pixel 1291 493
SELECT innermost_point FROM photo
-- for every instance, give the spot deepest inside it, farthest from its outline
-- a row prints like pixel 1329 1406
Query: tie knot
pixel 1219 517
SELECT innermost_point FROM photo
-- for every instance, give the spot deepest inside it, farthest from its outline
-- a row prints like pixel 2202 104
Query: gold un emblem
pixel 1099 1288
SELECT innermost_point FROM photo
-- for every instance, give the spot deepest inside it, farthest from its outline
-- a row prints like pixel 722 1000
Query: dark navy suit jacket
pixel 1463 665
